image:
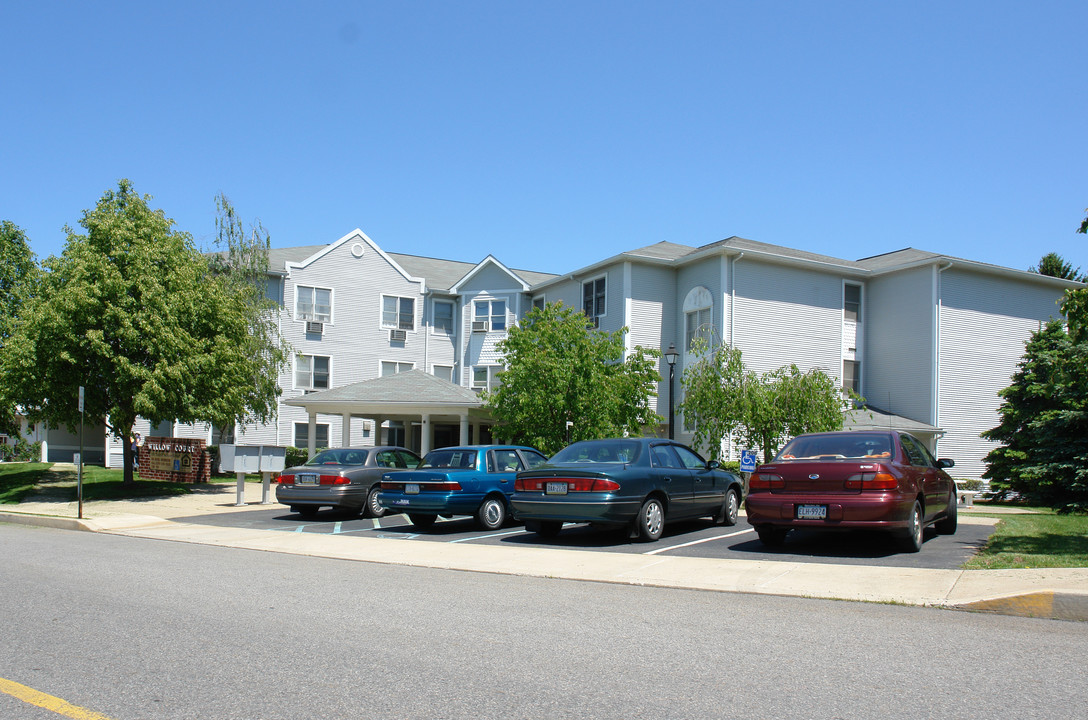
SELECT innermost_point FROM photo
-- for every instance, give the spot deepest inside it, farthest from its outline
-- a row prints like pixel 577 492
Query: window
pixel 222 436
pixel 443 371
pixel 914 453
pixel 443 317
pixel 398 313
pixel 505 460
pixel 697 323
pixel 538 302
pixel 391 367
pixel 851 302
pixel 492 312
pixel 689 459
pixel 486 377
pixel 312 372
pixel 593 298
pixel 302 435
pixel 851 375
pixel 313 303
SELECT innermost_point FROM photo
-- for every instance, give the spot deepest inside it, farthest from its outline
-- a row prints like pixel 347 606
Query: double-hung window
pixel 486 377
pixel 313 303
pixel 491 312
pixel 851 302
pixel 302 435
pixel 312 372
pixel 593 298
pixel 398 313
pixel 443 317
pixel 391 367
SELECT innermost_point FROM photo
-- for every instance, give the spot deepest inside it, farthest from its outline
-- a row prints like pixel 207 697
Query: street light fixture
pixel 671 356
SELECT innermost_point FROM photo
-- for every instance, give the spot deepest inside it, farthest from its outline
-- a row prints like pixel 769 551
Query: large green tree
pixel 1055 265
pixel 723 397
pixel 133 312
pixel 18 274
pixel 1044 424
pixel 560 370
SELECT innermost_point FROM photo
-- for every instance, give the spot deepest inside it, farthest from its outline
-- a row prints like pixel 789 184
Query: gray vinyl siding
pixel 898 318
pixel 650 309
pixel 985 320
pixel 787 315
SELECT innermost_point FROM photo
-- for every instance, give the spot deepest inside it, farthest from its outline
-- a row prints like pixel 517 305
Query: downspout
pixel 937 343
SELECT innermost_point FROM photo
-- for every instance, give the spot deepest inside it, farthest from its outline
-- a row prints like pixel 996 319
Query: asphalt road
pixel 137 629
pixel 698 538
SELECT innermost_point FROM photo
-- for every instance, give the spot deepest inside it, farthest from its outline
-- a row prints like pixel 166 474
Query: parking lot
pixel 698 538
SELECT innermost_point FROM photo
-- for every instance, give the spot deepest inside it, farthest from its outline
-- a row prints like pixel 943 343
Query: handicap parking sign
pixel 747 460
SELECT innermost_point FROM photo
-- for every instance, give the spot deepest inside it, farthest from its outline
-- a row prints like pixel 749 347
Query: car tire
pixel 308 511
pixel 651 520
pixel 771 536
pixel 730 508
pixel 422 521
pixel 372 508
pixel 947 524
pixel 491 514
pixel 910 540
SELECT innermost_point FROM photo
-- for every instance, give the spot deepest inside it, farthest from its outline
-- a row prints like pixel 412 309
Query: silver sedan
pixel 346 479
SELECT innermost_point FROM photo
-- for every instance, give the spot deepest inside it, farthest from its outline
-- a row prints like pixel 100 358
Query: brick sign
pixel 175 460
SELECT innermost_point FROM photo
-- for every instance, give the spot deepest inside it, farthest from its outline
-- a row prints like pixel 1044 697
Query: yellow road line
pixel 53 704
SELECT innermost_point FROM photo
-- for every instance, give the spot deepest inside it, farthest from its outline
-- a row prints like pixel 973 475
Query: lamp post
pixel 671 356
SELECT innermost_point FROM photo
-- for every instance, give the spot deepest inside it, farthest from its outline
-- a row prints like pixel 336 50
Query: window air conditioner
pixel 315 327
pixel 398 335
pixel 479 326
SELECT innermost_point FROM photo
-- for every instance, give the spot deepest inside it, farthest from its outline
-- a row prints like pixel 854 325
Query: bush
pixel 296 456
pixel 21 451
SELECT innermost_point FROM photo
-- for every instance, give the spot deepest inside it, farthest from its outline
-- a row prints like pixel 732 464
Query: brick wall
pixel 175 460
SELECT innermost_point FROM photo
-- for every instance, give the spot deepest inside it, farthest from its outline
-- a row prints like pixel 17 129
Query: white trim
pixel 381 312
pixel 357 235
pixel 332 304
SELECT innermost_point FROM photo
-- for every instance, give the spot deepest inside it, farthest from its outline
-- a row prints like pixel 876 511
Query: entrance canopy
pixel 410 397
pixel 871 418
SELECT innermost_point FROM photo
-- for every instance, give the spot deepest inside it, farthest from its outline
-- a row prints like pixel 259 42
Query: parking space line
pixel 484 537
pixel 697 542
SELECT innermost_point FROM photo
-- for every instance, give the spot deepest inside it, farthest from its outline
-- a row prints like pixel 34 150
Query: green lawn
pixel 1042 539
pixel 17 480
pixel 21 481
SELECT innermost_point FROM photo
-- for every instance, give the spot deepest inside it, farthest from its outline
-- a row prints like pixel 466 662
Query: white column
pixel 346 434
pixel 311 435
pixel 464 429
pixel 378 431
pixel 425 435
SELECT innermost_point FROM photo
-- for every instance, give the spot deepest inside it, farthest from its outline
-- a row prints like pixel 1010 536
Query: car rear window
pixel 339 456
pixel 837 447
pixel 598 451
pixel 450 459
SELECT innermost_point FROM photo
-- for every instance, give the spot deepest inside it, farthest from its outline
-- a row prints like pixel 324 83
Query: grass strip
pixel 1042 539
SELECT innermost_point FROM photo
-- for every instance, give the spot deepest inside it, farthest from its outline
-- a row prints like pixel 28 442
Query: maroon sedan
pixel 864 480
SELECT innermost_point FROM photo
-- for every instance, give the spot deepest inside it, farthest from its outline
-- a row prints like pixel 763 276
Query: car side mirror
pixel 946 463
pixel 713 464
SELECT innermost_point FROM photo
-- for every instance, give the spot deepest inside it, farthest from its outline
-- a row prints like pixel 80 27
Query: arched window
pixel 698 316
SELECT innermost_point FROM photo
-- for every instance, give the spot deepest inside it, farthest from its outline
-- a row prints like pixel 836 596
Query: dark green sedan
pixel 640 483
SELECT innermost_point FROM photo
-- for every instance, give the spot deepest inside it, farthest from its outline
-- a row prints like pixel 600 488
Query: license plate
pixel 555 488
pixel 306 479
pixel 411 489
pixel 811 512
pixel 401 501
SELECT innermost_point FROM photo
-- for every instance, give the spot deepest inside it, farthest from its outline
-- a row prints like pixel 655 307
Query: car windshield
pixel 339 456
pixel 451 458
pixel 598 451
pixel 837 447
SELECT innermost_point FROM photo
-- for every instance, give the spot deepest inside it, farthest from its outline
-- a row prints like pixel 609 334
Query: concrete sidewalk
pixel 1056 593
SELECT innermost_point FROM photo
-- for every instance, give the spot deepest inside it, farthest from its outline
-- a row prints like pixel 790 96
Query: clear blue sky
pixel 554 134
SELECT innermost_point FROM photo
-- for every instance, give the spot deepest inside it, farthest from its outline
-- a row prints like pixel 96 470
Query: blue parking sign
pixel 747 460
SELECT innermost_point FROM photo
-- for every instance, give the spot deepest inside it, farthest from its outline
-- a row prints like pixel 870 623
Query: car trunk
pixel 817 477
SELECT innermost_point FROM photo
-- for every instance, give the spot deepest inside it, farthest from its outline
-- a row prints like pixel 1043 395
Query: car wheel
pixel 730 508
pixel 422 521
pixel 910 540
pixel 947 524
pixel 491 513
pixel 772 537
pixel 651 520
pixel 308 511
pixel 372 508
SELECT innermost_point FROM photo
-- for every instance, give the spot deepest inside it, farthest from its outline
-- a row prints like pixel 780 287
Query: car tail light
pixel 333 480
pixel 286 479
pixel 440 487
pixel 766 481
pixel 573 484
pixel 871 481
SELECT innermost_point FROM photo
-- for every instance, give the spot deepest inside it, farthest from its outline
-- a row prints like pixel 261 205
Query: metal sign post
pixel 79 457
